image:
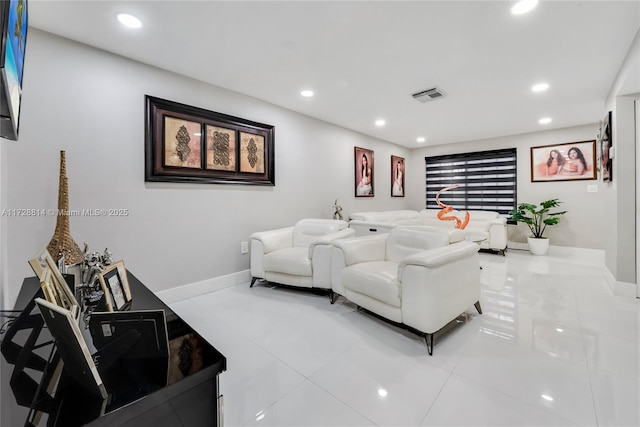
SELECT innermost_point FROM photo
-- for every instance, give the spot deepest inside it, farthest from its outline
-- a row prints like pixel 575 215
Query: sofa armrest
pixel 274 239
pixel 498 221
pixel 362 249
pixel 497 234
pixel 264 242
pixel 439 256
pixel 320 255
pixel 327 239
pixel 439 284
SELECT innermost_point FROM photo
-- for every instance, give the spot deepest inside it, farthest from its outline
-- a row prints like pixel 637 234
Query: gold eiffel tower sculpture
pixel 62 243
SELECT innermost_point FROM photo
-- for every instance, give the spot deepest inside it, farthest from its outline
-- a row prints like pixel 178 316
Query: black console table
pixel 192 400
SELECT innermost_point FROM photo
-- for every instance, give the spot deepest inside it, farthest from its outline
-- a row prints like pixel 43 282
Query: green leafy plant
pixel 537 219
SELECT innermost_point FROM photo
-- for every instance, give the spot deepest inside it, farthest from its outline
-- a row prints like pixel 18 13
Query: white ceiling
pixel 364 59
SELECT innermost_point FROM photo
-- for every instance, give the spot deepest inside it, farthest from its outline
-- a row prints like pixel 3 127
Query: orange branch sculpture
pixel 445 213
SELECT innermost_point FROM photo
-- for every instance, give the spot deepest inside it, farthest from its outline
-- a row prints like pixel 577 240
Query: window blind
pixel 487 180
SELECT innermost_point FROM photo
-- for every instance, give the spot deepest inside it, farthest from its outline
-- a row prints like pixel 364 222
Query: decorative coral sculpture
pixel 445 213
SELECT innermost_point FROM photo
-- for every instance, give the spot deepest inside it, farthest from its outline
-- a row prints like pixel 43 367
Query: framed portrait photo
pixel 114 283
pixel 397 176
pixel 364 172
pixel 564 162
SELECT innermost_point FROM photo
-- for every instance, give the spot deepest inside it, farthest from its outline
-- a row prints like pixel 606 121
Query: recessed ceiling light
pixel 382 392
pixel 545 120
pixel 420 139
pixel 523 6
pixel 540 87
pixel 380 122
pixel 547 397
pixel 129 20
pixel 307 93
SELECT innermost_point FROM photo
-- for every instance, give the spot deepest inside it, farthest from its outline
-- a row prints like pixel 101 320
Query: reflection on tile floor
pixel 554 347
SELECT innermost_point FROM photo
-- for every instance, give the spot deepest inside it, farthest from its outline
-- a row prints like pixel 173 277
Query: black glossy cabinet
pixel 135 399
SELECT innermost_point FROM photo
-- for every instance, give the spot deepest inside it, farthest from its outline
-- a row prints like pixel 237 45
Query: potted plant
pixel 537 219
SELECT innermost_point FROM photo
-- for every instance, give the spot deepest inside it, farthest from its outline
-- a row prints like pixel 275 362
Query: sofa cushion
pixel 377 279
pixel 293 261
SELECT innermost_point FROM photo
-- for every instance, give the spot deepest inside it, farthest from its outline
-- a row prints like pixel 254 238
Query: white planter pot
pixel 538 246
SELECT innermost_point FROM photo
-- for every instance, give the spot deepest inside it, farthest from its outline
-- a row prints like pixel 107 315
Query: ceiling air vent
pixel 428 95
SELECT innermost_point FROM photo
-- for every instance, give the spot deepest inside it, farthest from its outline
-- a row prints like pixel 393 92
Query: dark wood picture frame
pixel 397 176
pixel 559 163
pixel 364 172
pixel 605 145
pixel 191 144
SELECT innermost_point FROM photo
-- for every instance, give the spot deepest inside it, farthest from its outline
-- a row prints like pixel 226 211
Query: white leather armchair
pixel 409 276
pixel 297 256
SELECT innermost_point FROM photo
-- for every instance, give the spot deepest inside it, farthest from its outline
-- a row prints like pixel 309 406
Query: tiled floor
pixel 554 347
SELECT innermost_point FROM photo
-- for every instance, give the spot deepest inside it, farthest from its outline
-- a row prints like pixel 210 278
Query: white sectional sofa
pixel 480 222
pixel 382 222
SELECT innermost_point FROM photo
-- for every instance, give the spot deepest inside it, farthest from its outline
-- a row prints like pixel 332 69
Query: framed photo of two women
pixel 564 162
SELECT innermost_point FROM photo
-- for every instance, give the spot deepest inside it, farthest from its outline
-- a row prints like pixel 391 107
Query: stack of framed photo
pixel 53 284
pixel 72 347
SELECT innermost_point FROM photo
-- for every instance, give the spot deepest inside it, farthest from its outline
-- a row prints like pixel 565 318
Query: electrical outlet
pixel 244 247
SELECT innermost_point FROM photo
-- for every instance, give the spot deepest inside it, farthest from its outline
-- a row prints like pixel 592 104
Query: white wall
pixel 91 104
pixel 621 248
pixel 582 225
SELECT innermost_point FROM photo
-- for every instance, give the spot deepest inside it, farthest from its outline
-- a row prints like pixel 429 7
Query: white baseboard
pixel 583 255
pixel 623 289
pixel 180 293
pixel 519 246
pixel 593 257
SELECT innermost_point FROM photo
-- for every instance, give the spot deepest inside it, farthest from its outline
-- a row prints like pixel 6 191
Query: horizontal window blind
pixel 487 180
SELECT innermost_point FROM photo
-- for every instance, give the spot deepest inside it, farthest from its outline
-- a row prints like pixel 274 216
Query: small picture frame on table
pixel 114 283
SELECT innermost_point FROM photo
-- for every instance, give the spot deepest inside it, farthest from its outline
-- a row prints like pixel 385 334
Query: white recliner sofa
pixel 297 256
pixel 480 222
pixel 409 276
pixel 382 222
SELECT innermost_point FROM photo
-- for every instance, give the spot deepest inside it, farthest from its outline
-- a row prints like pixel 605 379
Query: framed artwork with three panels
pixel 190 144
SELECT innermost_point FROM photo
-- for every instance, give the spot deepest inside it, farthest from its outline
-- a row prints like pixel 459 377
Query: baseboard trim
pixel 575 255
pixel 181 293
pixel 623 289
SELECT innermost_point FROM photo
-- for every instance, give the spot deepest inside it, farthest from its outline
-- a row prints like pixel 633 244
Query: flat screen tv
pixel 13 30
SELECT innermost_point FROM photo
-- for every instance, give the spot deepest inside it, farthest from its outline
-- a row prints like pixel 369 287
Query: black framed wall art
pixel 191 144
